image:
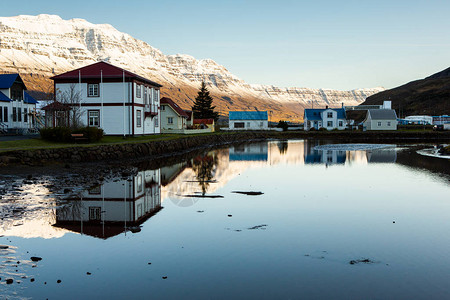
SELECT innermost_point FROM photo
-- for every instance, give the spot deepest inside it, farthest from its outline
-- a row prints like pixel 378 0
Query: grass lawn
pixel 38 143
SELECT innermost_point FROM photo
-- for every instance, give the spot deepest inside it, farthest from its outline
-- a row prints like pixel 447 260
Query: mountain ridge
pixel 41 46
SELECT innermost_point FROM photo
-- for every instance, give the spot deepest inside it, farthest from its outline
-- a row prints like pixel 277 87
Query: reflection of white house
pixel 382 155
pixel 249 152
pixel 380 119
pixel 173 116
pixel 328 118
pixel 116 100
pixel 248 120
pixel 17 107
pixel 113 207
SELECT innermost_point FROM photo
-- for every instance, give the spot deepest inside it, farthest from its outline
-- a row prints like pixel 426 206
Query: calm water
pixel 320 209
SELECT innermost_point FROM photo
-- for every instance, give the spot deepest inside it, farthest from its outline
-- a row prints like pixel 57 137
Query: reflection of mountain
pixel 412 159
pixel 113 207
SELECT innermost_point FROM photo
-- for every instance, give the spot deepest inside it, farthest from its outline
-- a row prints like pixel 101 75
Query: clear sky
pixel 316 43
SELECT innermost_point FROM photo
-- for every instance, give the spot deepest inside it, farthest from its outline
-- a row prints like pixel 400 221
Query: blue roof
pixel 7 80
pixel 315 114
pixel 4 98
pixel 28 99
pixel 248 115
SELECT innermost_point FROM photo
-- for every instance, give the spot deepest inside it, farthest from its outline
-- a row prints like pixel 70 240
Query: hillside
pixel 42 46
pixel 428 96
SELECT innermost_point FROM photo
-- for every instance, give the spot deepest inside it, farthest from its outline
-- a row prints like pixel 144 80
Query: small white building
pixel 248 120
pixel 328 118
pixel 173 117
pixel 380 119
pixel 17 107
pixel 116 100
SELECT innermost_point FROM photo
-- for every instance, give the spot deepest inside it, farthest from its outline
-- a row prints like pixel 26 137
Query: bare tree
pixel 72 98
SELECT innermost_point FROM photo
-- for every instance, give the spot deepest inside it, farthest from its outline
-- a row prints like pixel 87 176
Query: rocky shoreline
pixel 155 149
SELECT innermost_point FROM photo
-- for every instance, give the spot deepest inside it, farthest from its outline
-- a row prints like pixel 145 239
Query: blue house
pixel 328 118
pixel 17 107
pixel 248 120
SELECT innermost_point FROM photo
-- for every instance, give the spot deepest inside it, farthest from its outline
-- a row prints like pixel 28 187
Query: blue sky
pixel 318 44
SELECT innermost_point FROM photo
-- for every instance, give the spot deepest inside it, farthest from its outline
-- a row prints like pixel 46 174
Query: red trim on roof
pixel 175 107
pixel 109 72
pixel 57 106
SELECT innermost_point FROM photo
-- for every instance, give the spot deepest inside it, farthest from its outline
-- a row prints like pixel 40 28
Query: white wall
pixel 250 124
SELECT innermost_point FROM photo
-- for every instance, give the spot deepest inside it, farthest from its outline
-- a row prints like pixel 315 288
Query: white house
pixel 17 107
pixel 173 117
pixel 113 207
pixel 380 119
pixel 248 120
pixel 116 100
pixel 328 118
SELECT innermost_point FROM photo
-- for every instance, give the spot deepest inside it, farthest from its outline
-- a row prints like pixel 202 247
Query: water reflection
pixel 114 207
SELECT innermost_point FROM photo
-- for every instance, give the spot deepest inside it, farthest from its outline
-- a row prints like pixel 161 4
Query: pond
pixel 276 219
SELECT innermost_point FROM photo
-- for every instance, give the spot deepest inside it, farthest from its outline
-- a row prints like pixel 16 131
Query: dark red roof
pixel 108 71
pixel 175 107
pixel 204 121
pixel 57 106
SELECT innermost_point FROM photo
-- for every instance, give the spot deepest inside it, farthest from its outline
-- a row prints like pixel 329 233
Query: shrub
pixel 323 129
pixel 57 134
pixel 283 124
pixel 93 134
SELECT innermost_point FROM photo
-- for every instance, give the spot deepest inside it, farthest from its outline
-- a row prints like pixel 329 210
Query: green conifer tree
pixel 203 108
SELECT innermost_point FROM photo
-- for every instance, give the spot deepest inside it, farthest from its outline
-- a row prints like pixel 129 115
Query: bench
pixel 79 137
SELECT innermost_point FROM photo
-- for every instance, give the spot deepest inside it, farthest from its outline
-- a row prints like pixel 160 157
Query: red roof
pixel 175 107
pixel 57 106
pixel 108 72
pixel 204 121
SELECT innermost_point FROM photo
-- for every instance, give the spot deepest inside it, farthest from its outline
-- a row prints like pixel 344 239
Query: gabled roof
pixel 315 114
pixel 204 121
pixel 108 71
pixel 4 98
pixel 7 80
pixel 28 99
pixel 175 107
pixel 248 115
pixel 57 106
pixel 382 114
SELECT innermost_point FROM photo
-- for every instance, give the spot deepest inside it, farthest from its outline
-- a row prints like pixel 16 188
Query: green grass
pixel 38 143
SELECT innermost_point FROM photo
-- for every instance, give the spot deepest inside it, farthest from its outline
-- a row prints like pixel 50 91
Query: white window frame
pixel 156 122
pixel 138 118
pixel 138 90
pixel 329 123
pixel 170 120
pixel 379 124
pixel 92 118
pixel 93 90
pixel 341 123
pixel 388 123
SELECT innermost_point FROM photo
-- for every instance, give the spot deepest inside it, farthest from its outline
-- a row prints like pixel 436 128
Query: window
pixel 25 115
pixel 14 114
pixel 93 90
pixel 329 115
pixel 94 118
pixel 1 114
pixel 248 124
pixel 138 91
pixel 169 120
pixel 388 123
pixel 138 118
pixel 261 124
pixel 156 122
pixel 19 114
pixel 5 114
pixel 95 213
pixel 379 124
pixel 145 95
pixel 239 125
pixel 341 123
pixel 163 107
pixel 330 124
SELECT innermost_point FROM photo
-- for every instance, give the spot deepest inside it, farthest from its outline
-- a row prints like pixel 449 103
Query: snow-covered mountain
pixel 44 45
